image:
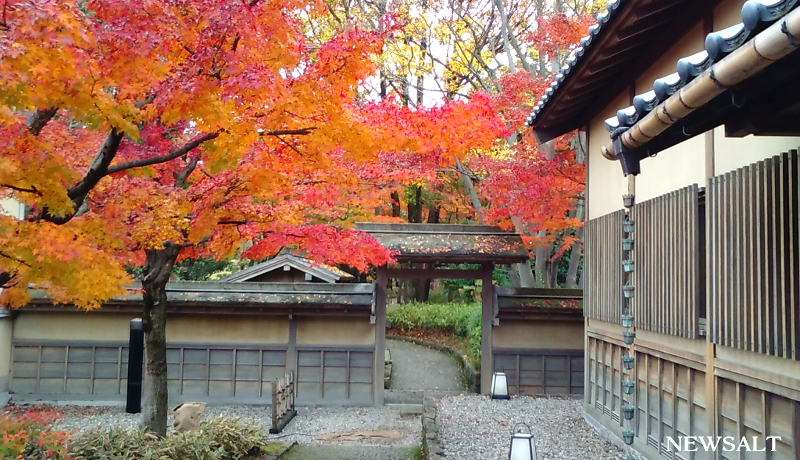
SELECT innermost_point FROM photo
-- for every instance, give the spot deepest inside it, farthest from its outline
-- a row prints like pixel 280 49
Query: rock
pixel 187 416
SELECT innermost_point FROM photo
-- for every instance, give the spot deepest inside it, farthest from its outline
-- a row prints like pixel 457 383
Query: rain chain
pixel 628 384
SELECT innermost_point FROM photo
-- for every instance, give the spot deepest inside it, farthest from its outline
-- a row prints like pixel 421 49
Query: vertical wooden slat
pixel 208 371
pixel 711 259
pixel 751 276
pixel 347 376
pixel 730 255
pixel 91 382
pixel 765 416
pixel 786 251
pixel 780 259
pixel 322 374
pixel 769 286
pixel 66 366
pixel 741 259
pixel 794 283
pixel 761 305
pixel 260 373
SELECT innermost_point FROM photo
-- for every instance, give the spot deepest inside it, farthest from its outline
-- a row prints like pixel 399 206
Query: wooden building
pixel 289 268
pixel 692 109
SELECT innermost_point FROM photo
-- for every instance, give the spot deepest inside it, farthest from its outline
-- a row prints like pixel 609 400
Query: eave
pixel 608 60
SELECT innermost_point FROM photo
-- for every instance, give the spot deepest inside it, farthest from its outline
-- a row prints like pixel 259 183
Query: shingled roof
pixel 448 243
pixel 621 44
pixel 757 16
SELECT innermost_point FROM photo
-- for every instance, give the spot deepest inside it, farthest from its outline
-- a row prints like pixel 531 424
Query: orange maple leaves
pixel 201 124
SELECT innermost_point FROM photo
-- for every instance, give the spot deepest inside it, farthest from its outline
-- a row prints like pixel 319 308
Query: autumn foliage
pixel 202 125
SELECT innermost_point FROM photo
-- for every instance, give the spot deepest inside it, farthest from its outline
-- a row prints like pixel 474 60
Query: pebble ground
pixel 477 427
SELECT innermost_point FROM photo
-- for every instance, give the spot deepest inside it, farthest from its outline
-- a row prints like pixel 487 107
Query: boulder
pixel 186 416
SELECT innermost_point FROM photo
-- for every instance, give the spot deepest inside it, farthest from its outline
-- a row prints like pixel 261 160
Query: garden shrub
pixel 458 318
pixel 216 439
pixel 28 436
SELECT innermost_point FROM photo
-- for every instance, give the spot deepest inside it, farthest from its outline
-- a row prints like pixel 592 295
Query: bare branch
pixel 188 147
pixel 288 132
pixel 33 189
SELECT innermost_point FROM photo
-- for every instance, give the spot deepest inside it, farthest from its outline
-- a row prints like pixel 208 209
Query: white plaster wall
pixel 12 207
pixel 731 153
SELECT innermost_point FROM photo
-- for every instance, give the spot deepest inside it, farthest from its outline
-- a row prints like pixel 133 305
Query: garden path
pixel 418 371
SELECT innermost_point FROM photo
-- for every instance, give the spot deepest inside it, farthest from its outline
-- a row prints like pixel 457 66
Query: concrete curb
pixel 431 438
pixel 469 375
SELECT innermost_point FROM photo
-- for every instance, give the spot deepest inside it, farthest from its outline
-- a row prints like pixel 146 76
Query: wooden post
pixel 380 334
pixel 274 405
pixel 487 315
pixel 291 350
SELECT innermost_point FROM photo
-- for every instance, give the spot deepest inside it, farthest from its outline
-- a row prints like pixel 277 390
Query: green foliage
pixel 461 319
pixel 29 437
pixel 217 439
pixel 468 290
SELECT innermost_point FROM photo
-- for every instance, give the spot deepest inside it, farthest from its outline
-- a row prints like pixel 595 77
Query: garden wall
pixel 221 356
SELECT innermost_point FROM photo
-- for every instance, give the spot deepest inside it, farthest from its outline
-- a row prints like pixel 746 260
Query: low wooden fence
pixel 283 410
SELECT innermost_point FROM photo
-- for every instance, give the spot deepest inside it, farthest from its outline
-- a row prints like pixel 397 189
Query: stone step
pixel 406 408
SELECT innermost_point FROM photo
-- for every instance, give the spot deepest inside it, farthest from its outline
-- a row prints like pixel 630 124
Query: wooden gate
pixel 282 402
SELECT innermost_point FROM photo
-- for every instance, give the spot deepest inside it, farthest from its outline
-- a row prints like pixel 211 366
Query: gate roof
pixel 444 243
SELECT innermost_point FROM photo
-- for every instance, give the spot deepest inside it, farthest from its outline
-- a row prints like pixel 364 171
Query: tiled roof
pixel 574 58
pixel 756 15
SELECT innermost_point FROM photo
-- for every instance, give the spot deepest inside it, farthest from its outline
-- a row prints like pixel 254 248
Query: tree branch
pixel 33 189
pixel 98 169
pixel 39 119
pixel 188 147
pixel 288 132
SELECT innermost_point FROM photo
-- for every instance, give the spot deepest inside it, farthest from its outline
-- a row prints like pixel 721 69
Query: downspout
pixel 774 43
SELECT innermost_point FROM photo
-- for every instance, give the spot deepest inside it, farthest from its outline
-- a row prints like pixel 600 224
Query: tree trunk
pixel 575 253
pixel 395 204
pixel 157 269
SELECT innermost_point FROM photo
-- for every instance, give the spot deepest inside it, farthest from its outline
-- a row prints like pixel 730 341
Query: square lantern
pixel 523 446
pixel 500 386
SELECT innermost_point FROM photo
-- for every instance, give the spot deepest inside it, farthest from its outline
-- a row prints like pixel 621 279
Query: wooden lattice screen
pixel 668 256
pixel 602 285
pixel 754 257
pixel 282 402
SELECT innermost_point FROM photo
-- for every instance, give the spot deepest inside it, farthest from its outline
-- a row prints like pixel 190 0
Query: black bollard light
pixel 133 404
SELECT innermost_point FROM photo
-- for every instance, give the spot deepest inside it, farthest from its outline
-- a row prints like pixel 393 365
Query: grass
pixel 455 324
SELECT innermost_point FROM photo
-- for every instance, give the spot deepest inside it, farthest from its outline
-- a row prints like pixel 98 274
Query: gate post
pixel 487 315
pixel 6 331
pixel 380 334
pixel 133 403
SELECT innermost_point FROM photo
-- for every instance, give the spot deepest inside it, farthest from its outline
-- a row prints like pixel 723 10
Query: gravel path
pixel 477 427
pixel 415 367
pixel 304 428
pixel 348 453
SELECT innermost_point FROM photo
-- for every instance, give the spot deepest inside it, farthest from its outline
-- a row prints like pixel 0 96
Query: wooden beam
pixel 433 273
pixel 380 334
pixel 487 314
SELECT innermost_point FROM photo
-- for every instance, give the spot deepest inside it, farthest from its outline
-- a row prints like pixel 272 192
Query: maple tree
pixel 183 129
